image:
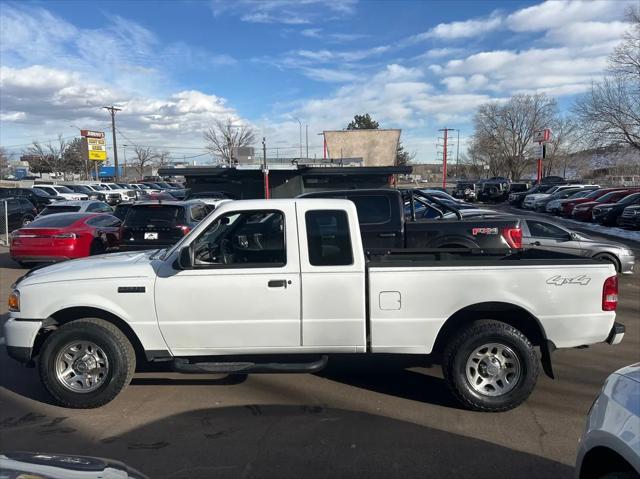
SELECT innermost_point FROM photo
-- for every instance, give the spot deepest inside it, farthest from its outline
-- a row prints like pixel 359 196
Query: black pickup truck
pixel 384 223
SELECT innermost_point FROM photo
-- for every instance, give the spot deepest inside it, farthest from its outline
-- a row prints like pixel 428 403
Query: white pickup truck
pixel 262 280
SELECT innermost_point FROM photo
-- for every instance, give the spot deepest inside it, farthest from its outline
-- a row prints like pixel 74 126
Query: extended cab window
pixel 539 229
pixel 372 209
pixel 328 238
pixel 248 238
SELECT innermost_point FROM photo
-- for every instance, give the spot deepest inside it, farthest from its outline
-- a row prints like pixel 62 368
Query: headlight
pixel 14 301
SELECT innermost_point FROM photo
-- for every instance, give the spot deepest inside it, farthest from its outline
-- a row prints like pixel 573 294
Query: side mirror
pixel 573 236
pixel 185 257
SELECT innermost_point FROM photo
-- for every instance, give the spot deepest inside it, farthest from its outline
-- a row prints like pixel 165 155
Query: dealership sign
pixel 96 146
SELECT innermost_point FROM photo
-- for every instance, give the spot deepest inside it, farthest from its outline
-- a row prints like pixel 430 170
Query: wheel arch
pixel 601 460
pixel 508 313
pixel 72 313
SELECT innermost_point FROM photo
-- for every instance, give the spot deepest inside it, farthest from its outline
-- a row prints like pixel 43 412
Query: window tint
pixel 104 220
pixel 46 189
pixel 539 229
pixel 372 209
pixel 53 209
pixel 25 203
pixel 250 238
pixel 328 238
pixel 98 207
pixel 57 221
pixel 63 189
pixel 157 215
pixel 630 199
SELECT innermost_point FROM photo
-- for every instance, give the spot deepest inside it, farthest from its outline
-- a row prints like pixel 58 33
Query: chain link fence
pixel 4 223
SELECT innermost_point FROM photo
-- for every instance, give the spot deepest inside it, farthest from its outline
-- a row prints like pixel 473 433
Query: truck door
pixel 333 277
pixel 243 294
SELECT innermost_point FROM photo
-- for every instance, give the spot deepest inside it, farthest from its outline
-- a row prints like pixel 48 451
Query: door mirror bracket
pixel 185 257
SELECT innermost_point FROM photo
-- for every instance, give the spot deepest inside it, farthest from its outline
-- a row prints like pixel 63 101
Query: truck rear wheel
pixel 86 363
pixel 490 366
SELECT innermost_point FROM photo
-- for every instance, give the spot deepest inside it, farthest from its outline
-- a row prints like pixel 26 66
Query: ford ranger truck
pixel 246 291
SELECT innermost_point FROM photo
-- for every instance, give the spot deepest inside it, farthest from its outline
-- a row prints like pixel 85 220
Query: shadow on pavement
pixel 277 441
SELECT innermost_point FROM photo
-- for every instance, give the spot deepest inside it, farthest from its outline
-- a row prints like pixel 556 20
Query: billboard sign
pixel 96 146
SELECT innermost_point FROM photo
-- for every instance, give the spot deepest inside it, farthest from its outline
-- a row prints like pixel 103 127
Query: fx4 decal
pixel 484 231
pixel 558 280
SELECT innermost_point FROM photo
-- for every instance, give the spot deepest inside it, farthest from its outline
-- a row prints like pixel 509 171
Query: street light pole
pixel 300 125
pixel 306 133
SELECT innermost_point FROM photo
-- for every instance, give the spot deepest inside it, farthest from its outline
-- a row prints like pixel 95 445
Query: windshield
pixel 57 221
pixel 629 199
pixel 40 193
pixel 157 215
pixel 62 189
pixel 614 195
pixel 49 210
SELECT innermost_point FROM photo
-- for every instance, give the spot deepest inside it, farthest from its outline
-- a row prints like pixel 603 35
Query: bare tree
pixel 224 138
pixel 47 158
pixel 504 131
pixel 143 158
pixel 163 158
pixel 625 59
pixel 610 112
pixel 4 162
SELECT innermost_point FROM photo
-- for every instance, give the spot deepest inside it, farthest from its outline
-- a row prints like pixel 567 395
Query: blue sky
pixel 175 67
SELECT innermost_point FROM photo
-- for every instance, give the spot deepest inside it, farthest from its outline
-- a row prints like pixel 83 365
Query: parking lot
pixel 352 420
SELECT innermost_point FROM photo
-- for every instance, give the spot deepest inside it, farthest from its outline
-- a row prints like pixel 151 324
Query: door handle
pixel 387 235
pixel 535 243
pixel 278 283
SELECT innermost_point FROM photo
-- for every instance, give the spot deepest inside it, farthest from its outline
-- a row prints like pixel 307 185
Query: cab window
pixel 329 242
pixel 540 229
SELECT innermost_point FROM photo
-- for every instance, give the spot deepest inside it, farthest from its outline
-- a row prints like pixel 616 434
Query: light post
pixel 300 125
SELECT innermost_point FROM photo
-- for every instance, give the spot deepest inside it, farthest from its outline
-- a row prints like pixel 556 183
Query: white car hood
pixel 115 265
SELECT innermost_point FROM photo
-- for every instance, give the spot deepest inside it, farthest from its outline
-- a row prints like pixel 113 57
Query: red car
pixel 582 211
pixel 65 236
pixel 566 206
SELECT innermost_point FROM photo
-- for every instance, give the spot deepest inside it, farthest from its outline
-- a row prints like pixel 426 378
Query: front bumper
pixel 629 221
pixel 616 334
pixel 20 336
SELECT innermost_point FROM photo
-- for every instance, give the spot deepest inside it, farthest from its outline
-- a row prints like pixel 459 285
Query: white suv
pixel 125 194
pixel 61 191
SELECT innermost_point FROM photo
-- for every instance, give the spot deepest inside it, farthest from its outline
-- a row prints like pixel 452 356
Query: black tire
pixel 459 350
pixel 611 259
pixel 96 248
pixel 116 347
pixel 620 475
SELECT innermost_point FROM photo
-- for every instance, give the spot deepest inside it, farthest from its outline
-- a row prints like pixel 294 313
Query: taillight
pixel 610 294
pixel 185 229
pixel 64 236
pixel 513 237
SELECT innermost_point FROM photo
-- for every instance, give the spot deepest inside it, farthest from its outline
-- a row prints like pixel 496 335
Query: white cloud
pixel 288 12
pixel 560 13
pixel 329 75
pixel 331 37
pixel 594 33
pixel 462 29
pixel 264 17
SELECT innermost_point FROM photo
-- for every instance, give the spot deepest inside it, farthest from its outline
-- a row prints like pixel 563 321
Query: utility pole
pixel 444 156
pixel 306 133
pixel 457 153
pixel 265 169
pixel 112 109
pixel 300 125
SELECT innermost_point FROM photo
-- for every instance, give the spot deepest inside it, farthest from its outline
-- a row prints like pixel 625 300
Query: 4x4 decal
pixel 558 280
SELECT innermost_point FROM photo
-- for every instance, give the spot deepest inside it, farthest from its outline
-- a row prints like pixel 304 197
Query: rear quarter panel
pixel 570 313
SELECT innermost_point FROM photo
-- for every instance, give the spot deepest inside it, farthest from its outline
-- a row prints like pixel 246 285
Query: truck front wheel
pixel 86 363
pixel 490 366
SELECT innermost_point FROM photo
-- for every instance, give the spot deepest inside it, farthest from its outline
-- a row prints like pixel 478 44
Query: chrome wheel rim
pixel 81 366
pixel 493 369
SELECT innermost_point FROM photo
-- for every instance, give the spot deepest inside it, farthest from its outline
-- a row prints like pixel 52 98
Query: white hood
pixel 114 265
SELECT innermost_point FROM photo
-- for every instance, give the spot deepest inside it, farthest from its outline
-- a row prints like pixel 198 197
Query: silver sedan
pixel 540 234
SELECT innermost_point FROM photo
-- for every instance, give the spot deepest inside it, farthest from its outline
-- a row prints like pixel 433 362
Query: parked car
pixel 38 198
pixel 465 190
pixel 630 217
pixel 516 199
pixel 531 200
pixel 494 189
pixel 87 190
pixel 19 212
pixel 554 206
pixel 213 198
pixel 76 207
pixel 126 194
pixel 610 444
pixel 607 214
pixel 540 205
pixel 121 210
pixel 547 236
pixel 65 236
pixel 568 204
pixel 61 191
pixel 160 224
pixel 275 281
pixel 582 211
pixel 384 223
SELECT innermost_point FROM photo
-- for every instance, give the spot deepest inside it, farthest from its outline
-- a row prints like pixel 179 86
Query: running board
pixel 182 365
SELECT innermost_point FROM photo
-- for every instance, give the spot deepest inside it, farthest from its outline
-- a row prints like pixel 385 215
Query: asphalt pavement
pixel 368 420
